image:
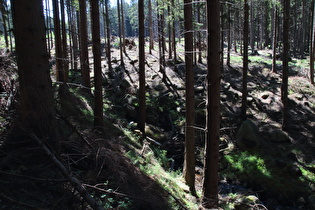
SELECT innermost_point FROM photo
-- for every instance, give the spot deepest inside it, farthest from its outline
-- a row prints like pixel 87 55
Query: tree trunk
pixel 312 47
pixel 109 59
pixel 142 101
pixel 162 31
pixel 120 34
pixel 65 64
pixel 261 26
pixel 275 38
pixel 266 24
pixel 5 30
pixel 222 40
pixel 60 76
pixel 200 44
pixel 85 66
pixel 123 25
pixel 211 178
pixel 285 62
pixel 96 48
pixel 228 59
pixel 174 33
pixel 37 103
pixel 161 40
pixel 169 33
pixel 73 32
pixel 46 24
pixel 252 27
pixel 189 160
pixel 303 29
pixel 245 60
pixel 151 46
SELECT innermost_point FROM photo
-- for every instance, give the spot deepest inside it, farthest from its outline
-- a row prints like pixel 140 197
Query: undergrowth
pixel 154 162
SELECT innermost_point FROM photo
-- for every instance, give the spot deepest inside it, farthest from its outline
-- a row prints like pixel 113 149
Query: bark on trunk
pixel 37 103
pixel 85 67
pixel 96 48
pixel 285 63
pixel 189 160
pixel 245 60
pixel 142 102
pixel 211 178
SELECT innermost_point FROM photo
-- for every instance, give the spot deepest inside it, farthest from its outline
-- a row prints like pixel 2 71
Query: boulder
pixel 279 136
pixel 125 84
pixel 246 202
pixel 247 136
pixel 311 201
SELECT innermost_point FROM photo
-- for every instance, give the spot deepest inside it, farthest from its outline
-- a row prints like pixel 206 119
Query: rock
pixel 131 100
pixel 266 97
pixel 247 136
pixel 311 201
pixel 295 170
pixel 200 117
pixel 199 89
pixel 291 156
pixel 125 84
pixel 246 202
pixel 159 87
pixel 279 136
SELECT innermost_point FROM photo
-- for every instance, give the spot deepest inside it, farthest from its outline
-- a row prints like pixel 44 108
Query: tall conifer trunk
pixel 151 46
pixel 120 34
pixel 85 67
pixel 285 62
pixel 275 38
pixel 245 60
pixel 58 43
pixel 108 51
pixel 312 47
pixel 65 64
pixel 189 161
pixel 142 102
pixel 213 117
pixel 96 48
pixel 37 103
pixel 4 19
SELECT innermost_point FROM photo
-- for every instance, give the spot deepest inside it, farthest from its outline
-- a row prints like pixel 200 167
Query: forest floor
pixel 122 174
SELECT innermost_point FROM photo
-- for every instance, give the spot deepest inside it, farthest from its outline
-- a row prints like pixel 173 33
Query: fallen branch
pixel 109 191
pixel 74 84
pixel 33 178
pixel 75 130
pixel 125 195
pixel 153 141
pixel 73 180
pixel 17 202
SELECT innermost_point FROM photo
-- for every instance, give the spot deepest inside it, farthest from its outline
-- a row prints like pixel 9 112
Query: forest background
pixel 131 97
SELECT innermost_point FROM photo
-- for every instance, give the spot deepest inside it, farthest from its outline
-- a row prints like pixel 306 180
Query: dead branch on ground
pixel 73 180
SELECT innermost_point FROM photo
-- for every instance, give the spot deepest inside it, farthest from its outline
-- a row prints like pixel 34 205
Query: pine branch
pixel 73 180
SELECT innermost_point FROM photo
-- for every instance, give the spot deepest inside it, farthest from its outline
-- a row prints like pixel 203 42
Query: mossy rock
pixel 246 202
pixel 280 136
pixel 248 137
